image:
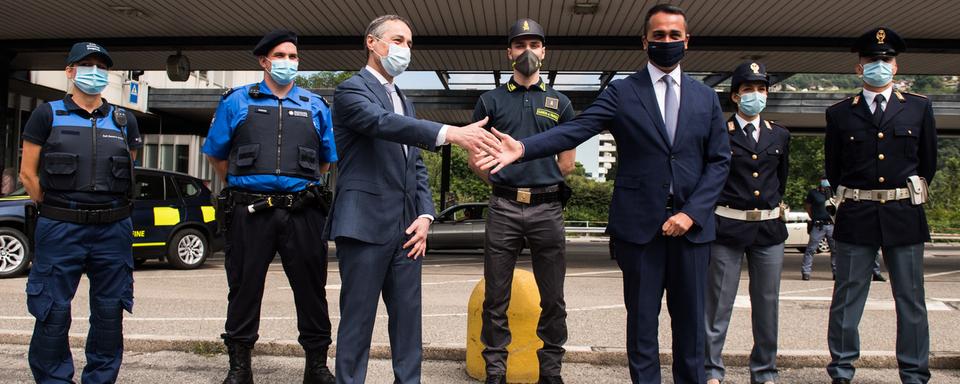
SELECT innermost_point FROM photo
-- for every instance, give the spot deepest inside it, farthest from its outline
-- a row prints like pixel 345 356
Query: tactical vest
pixel 275 140
pixel 86 155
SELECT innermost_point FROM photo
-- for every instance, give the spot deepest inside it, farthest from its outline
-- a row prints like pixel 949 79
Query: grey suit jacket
pixel 379 191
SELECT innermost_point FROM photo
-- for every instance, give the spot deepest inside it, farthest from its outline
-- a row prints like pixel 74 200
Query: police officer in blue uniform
pixel 272 141
pixel 77 167
pixel 880 152
pixel 749 222
pixel 525 207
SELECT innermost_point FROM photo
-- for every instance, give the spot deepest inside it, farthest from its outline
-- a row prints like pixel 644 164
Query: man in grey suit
pixel 383 206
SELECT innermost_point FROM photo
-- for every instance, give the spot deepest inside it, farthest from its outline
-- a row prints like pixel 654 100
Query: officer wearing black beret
pixel 272 141
pixel 880 152
pixel 525 203
pixel 749 222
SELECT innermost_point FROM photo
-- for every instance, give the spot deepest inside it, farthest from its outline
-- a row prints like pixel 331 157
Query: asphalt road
pixel 191 304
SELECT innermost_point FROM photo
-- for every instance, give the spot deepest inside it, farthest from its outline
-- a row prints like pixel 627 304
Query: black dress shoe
pixel 550 380
pixel 841 380
pixel 496 379
pixel 879 277
pixel 804 276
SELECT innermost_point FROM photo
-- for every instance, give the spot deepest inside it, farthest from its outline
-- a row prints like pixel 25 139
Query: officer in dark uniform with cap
pixel 880 152
pixel 525 204
pixel 77 166
pixel 749 222
pixel 272 141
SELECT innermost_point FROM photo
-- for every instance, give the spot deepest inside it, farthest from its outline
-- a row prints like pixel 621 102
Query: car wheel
pixel 824 246
pixel 188 249
pixel 14 252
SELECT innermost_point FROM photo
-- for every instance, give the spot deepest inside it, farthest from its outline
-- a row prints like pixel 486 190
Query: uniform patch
pixel 552 103
pixel 296 113
pixel 262 110
pixel 548 114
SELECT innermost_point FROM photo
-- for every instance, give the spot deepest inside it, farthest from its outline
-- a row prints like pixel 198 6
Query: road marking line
pixel 941 274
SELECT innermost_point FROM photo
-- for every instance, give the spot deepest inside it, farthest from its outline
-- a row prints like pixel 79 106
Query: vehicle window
pixel 472 213
pixel 149 187
pixel 187 187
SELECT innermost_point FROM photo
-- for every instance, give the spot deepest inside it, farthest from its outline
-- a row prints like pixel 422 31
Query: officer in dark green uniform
pixel 525 204
pixel 880 152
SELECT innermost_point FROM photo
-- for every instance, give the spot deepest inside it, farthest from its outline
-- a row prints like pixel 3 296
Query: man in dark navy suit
pixel 880 151
pixel 674 159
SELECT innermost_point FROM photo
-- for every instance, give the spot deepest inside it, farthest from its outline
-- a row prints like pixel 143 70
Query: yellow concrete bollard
pixel 523 315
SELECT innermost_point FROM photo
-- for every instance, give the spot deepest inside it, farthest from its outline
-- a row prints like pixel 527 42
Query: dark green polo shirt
pixel 523 112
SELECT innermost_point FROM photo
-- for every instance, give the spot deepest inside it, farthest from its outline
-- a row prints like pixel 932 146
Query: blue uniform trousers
pixel 64 251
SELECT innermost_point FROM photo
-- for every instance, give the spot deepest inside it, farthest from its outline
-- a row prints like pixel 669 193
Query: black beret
pixel 526 27
pixel 881 41
pixel 747 72
pixel 84 49
pixel 273 39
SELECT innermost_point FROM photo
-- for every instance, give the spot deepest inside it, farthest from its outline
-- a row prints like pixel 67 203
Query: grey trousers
pixel 764 264
pixel 905 266
pixel 508 224
pixel 816 235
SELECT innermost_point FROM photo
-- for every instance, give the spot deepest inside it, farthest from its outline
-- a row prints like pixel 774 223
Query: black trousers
pixel 252 241
pixel 508 224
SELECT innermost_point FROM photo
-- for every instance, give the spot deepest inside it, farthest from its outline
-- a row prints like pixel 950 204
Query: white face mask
pixel 396 60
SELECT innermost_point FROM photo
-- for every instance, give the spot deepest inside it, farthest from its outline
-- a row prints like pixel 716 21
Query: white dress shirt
pixel 660 88
pixel 869 96
pixel 756 124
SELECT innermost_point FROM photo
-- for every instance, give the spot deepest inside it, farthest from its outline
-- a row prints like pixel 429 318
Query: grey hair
pixel 376 27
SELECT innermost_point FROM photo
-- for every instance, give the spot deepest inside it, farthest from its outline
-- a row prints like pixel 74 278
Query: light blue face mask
pixel 91 80
pixel 752 103
pixel 396 60
pixel 283 70
pixel 878 73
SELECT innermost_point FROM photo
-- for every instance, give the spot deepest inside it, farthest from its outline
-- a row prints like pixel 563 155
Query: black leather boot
pixel 315 370
pixel 239 372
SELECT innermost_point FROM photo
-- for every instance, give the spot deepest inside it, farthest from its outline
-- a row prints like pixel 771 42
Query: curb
pixel 575 354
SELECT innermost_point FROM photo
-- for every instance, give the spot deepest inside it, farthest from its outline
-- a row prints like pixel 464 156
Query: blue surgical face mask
pixel 878 73
pixel 396 60
pixel 751 104
pixel 283 70
pixel 91 79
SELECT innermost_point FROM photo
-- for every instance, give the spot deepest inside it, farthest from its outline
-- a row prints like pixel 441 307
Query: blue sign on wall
pixel 134 91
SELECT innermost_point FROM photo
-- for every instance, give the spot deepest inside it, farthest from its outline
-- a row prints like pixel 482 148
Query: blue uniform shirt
pixel 232 112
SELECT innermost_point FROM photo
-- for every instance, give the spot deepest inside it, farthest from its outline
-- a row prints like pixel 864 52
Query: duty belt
pixel 881 195
pixel 275 200
pixel 85 216
pixel 529 196
pixel 749 215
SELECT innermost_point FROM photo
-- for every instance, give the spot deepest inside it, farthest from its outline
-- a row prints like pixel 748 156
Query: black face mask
pixel 665 55
pixel 527 63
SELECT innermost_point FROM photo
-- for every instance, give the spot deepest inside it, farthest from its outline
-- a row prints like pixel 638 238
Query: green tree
pixel 325 79
pixel 806 169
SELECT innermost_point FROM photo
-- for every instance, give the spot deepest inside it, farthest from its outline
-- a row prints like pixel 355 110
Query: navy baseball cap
pixel 86 48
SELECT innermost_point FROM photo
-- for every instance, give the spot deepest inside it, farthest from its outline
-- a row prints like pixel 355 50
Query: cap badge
pixel 755 68
pixel 881 34
pixel 526 26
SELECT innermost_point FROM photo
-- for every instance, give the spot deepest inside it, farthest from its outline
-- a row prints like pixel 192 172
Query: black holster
pixel 224 209
pixel 565 194
pixel 30 216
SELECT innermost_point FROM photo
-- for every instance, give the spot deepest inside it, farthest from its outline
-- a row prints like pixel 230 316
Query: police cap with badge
pixel 526 27
pixel 879 42
pixel 748 72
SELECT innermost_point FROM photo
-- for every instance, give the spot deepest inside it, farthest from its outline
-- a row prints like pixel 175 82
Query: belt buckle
pixel 523 195
pixel 880 196
pixel 93 216
pixel 753 215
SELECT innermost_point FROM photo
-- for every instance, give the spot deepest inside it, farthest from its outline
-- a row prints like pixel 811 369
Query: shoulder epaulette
pixel 856 99
pixel 228 92
pixel 323 100
pixel 915 94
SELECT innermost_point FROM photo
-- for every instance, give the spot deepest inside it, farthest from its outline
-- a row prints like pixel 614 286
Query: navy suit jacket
pixel 379 191
pixel 696 163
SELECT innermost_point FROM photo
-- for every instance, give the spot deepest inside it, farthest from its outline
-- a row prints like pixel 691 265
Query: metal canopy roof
pixel 460 35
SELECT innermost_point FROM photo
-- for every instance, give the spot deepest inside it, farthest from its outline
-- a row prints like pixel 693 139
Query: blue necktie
pixel 670 108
